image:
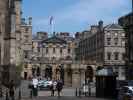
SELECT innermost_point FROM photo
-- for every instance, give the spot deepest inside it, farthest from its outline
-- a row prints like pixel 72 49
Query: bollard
pixel 1 93
pixel 31 94
pixel 7 97
pixel 89 91
pixel 79 92
pixel 76 92
pixel 19 96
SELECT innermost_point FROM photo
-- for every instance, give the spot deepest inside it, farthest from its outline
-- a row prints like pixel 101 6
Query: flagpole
pixel 51 26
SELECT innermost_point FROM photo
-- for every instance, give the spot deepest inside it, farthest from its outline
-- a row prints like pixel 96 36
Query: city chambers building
pixel 53 58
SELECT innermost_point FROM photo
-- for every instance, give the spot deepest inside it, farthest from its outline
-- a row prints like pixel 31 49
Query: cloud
pixel 88 12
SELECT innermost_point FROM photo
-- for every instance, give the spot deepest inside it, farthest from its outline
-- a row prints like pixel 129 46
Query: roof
pixel 54 39
pixel 113 26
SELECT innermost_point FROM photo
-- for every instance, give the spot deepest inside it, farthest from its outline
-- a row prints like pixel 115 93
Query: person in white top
pixel 35 84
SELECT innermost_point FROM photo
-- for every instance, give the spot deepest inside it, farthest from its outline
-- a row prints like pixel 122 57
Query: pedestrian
pixel 53 88
pixel 59 87
pixel 11 90
pixel 35 86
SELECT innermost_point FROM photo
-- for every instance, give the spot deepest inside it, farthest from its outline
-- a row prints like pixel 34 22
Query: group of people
pixel 56 86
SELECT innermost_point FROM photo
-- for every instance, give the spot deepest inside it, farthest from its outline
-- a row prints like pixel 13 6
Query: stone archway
pixel 89 74
pixel 48 72
pixel 59 72
pixel 62 72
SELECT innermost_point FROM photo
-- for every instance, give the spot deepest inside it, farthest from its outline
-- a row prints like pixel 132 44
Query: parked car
pixel 44 84
pixel 125 93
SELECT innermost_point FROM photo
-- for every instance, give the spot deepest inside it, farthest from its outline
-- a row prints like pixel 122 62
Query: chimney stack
pixel 30 20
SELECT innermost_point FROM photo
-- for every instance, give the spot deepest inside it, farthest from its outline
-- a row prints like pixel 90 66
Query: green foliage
pixel 19 68
pixel 130 65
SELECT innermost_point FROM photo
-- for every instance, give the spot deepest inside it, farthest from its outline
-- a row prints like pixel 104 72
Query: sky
pixel 73 15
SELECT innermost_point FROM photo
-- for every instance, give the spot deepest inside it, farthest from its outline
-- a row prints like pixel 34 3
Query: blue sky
pixel 73 15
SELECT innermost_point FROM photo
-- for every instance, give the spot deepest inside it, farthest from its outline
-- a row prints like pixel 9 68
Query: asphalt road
pixel 66 98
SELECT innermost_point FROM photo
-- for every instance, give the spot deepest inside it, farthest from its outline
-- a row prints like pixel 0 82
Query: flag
pixel 51 20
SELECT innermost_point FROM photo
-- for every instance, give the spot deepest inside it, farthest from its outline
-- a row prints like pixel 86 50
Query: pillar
pixel 65 77
pixel 82 76
pixel 75 78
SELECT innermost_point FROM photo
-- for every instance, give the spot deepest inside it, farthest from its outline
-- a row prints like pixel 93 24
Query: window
pixel 26 30
pixel 123 34
pixel 123 41
pixel 123 56
pixel 53 50
pixel 26 38
pixel 108 55
pixel 38 49
pixel 46 50
pixel 61 50
pixel 108 41
pixel 69 50
pixel 108 34
pixel 116 34
pixel 26 54
pixel 25 66
pixel 116 41
pixel 116 55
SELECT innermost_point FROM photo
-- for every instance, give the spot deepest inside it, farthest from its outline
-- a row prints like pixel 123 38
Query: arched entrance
pixel 38 71
pixel 89 74
pixel 48 72
pixel 61 72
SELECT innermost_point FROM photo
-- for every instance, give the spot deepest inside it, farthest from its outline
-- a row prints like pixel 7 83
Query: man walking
pixel 59 87
pixel 11 90
pixel 35 86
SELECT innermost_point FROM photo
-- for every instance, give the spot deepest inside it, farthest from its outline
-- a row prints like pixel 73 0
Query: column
pixel 82 76
pixel 75 78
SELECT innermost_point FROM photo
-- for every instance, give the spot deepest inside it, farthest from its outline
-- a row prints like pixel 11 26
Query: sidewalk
pixel 65 92
pixel 66 98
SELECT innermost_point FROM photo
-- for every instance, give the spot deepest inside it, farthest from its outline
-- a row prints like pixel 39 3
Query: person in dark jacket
pixel 11 90
pixel 59 87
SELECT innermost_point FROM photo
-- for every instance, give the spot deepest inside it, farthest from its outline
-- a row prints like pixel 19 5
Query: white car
pixel 125 92
pixel 44 84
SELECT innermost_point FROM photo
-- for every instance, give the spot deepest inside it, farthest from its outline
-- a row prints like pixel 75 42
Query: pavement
pixel 67 93
pixel 66 98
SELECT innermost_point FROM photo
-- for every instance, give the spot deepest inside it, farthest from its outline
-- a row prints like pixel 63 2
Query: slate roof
pixel 113 26
pixel 54 40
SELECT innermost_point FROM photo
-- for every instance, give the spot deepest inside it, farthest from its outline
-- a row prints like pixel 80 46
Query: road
pixel 66 98
pixel 67 94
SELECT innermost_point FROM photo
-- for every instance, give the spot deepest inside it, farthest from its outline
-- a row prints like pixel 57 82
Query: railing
pixel 46 61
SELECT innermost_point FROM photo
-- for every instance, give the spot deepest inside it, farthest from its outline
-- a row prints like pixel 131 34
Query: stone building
pixel 103 47
pixel 26 43
pixel 10 15
pixel 53 58
pixel 4 30
pixel 127 23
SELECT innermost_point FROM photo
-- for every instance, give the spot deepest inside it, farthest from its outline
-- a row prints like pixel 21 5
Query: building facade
pixel 127 23
pixel 103 47
pixel 53 58
pixel 10 15
pixel 4 11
